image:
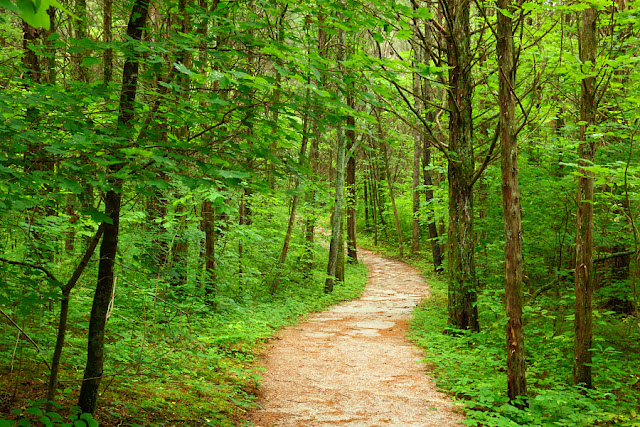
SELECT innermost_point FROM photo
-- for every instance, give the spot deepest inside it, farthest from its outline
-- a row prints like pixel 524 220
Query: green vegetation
pixel 471 366
pixel 172 360
pixel 165 167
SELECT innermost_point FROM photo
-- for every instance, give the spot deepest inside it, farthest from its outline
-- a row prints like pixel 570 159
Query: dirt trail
pixel 352 365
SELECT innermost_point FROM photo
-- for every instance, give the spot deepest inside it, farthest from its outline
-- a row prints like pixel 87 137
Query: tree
pixel 516 380
pixel 113 199
pixel 463 311
pixel 584 215
pixel 336 218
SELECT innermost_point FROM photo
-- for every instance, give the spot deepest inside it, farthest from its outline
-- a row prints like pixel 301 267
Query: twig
pixel 28 264
pixel 24 334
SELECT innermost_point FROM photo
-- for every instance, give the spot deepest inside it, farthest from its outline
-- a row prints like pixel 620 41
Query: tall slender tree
pixel 336 218
pixel 113 200
pixel 516 380
pixel 584 218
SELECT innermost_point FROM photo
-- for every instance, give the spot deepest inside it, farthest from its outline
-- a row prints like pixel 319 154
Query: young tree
pixel 336 218
pixel 113 200
pixel 516 381
pixel 584 216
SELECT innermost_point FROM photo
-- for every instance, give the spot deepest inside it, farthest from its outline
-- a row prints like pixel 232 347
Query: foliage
pixel 471 366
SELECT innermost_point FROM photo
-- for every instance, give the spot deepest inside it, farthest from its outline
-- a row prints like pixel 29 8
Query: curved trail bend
pixel 352 365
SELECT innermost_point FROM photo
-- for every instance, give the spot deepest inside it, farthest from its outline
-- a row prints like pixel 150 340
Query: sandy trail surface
pixel 352 365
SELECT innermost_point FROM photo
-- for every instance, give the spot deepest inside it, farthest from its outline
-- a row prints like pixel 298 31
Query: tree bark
pixel 584 217
pixel 107 37
pixel 108 249
pixel 352 249
pixel 336 219
pixel 208 227
pixel 463 313
pixel 417 146
pixel 436 250
pixel 294 206
pixel 516 380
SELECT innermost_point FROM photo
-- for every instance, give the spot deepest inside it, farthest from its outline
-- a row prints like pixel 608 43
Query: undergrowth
pixel 173 364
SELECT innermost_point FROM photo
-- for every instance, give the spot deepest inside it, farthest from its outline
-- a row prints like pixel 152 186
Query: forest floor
pixel 353 365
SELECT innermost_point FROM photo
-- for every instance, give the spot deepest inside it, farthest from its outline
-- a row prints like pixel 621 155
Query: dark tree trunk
pixel 107 38
pixel 463 313
pixel 108 249
pixel 584 224
pixel 516 380
pixel 81 33
pixel 392 196
pixel 417 146
pixel 64 312
pixel 367 225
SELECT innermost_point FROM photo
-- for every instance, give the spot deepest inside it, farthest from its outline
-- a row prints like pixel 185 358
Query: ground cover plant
pixel 172 360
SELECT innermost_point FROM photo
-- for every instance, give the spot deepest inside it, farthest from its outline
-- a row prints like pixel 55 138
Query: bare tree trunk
pixel 294 206
pixel 516 379
pixel 336 220
pixel 436 250
pixel 310 222
pixel 417 147
pixel 81 33
pixel 584 224
pixel 208 226
pixel 108 249
pixel 352 249
pixel 463 313
pixel 107 37
pixel 367 225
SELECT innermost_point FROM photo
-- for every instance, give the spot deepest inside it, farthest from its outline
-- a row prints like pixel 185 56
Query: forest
pixel 180 179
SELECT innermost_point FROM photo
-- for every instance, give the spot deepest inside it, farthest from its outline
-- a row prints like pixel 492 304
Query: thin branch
pixel 28 264
pixel 24 334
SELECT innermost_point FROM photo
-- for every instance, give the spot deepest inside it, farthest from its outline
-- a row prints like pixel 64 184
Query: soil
pixel 353 365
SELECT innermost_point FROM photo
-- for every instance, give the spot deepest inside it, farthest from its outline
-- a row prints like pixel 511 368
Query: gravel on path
pixel 353 365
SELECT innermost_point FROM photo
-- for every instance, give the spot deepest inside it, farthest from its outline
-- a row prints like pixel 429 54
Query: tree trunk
pixel 417 140
pixel 336 219
pixel 294 206
pixel 352 249
pixel 107 38
pixel 108 249
pixel 436 250
pixel 81 33
pixel 584 224
pixel 64 312
pixel 208 227
pixel 516 380
pixel 463 313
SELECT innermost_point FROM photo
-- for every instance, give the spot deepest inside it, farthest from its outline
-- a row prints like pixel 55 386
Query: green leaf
pixel 404 34
pixel 184 70
pixel 506 13
pixel 6 4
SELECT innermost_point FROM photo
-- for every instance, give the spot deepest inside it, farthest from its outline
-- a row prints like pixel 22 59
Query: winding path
pixel 352 365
